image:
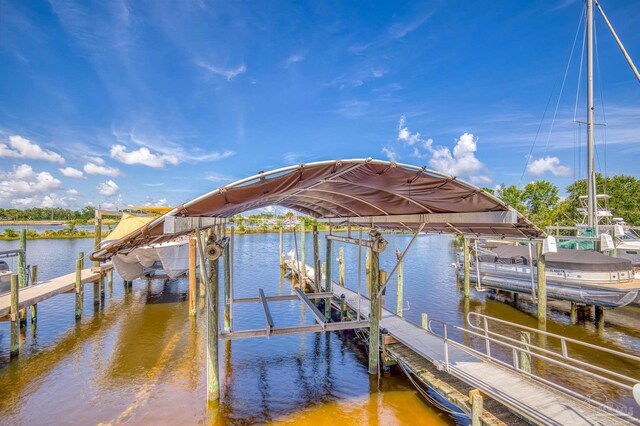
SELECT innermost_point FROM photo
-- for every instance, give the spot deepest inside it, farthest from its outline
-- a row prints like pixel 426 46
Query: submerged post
pixel 22 271
pixel 14 347
pixel 79 289
pixel 327 285
pixel 467 267
pixel 599 314
pixel 110 281
pixel 400 283
pixel 226 270
pixel 193 282
pixel 374 314
pixel 341 266
pixel 542 286
pixel 34 307
pixel 213 383
pixel 316 259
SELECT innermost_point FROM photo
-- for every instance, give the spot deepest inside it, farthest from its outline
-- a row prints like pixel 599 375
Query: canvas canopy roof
pixel 128 224
pixel 577 260
pixel 367 192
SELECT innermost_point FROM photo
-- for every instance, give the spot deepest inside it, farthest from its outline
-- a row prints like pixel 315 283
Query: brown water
pixel 139 357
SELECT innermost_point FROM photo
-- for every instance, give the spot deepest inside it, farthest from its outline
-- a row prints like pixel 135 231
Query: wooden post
pixel 14 348
pixel 81 259
pixel 367 269
pixel 542 286
pixel 425 321
pixel 343 307
pixel 374 314
pixel 467 268
pixel 96 293
pixel 400 284
pixel 281 252
pixel 476 407
pixel 327 285
pixel 573 315
pixel 79 289
pixel 316 259
pixel 22 272
pixel 382 280
pixel 226 271
pixel 303 255
pixel 525 358
pixel 97 236
pixel 213 383
pixel 34 307
pixel 193 277
pixel 341 266
pixel 110 281
pixel 599 314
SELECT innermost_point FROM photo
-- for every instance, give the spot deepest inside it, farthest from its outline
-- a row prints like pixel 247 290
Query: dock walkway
pixel 30 295
pixel 528 398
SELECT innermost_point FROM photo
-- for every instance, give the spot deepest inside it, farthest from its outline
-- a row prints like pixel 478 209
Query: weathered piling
pixel 96 293
pixel 193 281
pixel 542 286
pixel 79 289
pixel 213 382
pixel 400 283
pixel 599 316
pixel 281 251
pixel 425 321
pixel 476 407
pixel 110 281
pixel 367 268
pixel 525 358
pixel 303 254
pixel 14 346
pixel 226 272
pixel 374 313
pixel 34 307
pixel 343 307
pixel 467 268
pixel 97 236
pixel 22 272
pixel 573 314
pixel 327 281
pixel 341 266
pixel 316 259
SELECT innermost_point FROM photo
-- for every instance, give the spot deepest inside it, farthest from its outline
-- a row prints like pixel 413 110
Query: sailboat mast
pixel 592 206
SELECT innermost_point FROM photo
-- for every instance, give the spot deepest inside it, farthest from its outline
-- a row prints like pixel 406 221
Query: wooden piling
pixel 374 314
pixel 110 281
pixel 341 266
pixel 425 321
pixel 476 407
pixel 316 259
pixel 213 382
pixel 525 358
pixel 599 316
pixel 542 286
pixel 367 269
pixel 467 268
pixel 327 285
pixel 97 236
pixel 96 293
pixel 573 315
pixel 281 252
pixel 193 280
pixel 400 283
pixel 79 289
pixel 14 348
pixel 226 272
pixel 343 307
pixel 303 254
pixel 34 307
pixel 22 272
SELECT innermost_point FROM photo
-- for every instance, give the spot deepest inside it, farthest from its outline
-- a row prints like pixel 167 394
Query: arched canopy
pixel 369 192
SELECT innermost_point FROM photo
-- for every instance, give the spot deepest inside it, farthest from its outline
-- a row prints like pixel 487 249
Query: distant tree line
pixel 540 200
pixel 39 213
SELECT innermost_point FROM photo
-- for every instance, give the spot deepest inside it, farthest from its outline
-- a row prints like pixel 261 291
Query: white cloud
pixel 72 191
pixel 547 165
pixel 390 153
pixel 72 173
pixel 23 187
pixel 154 184
pixel 378 72
pixel 141 156
pixel 108 188
pixel 298 57
pixel 229 73
pixel 462 162
pixel 93 159
pixel 400 30
pixel 23 148
pixel 220 178
pixel 405 135
pixel 53 200
pixel 94 169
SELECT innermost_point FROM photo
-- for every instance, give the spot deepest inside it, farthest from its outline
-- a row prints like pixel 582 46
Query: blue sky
pixel 134 102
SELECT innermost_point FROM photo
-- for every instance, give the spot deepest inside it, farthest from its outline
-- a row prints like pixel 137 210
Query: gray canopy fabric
pixel 341 190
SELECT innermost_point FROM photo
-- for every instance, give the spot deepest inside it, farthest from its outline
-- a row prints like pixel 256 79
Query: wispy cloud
pixel 220 178
pixel 353 108
pixel 401 29
pixel 95 169
pixel 142 156
pixel 20 147
pixel 293 59
pixel 228 73
pixel 154 185
pixel 72 173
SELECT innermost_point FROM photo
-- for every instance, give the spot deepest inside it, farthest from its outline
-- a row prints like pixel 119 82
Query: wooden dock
pixel 526 397
pixel 43 290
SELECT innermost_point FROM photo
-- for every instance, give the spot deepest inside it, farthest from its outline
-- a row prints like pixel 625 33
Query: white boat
pixel 5 277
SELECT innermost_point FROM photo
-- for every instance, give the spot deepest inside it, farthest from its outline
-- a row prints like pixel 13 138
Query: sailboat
pixel 581 276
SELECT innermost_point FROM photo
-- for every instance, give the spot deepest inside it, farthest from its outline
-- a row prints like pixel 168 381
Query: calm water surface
pixel 139 358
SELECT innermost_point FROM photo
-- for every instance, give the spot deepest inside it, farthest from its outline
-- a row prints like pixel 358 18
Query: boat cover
pixel 577 260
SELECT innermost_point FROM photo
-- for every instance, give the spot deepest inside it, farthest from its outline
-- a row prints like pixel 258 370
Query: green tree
pixel 512 196
pixel 540 196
